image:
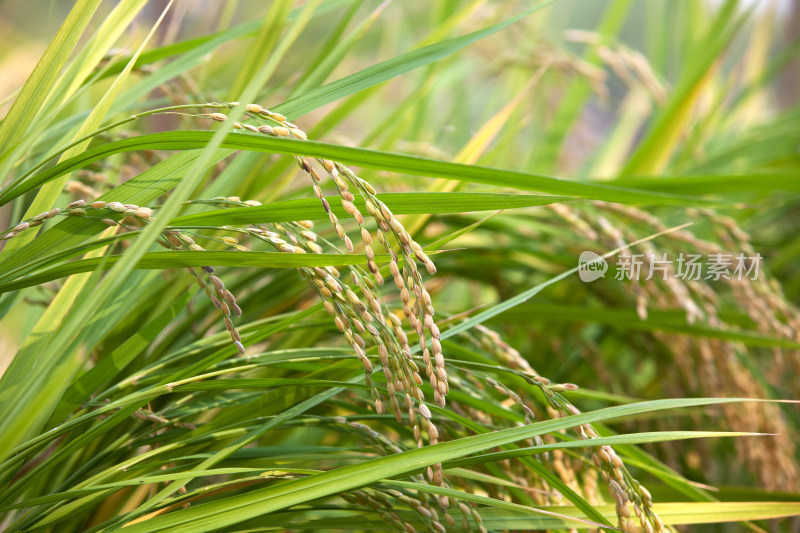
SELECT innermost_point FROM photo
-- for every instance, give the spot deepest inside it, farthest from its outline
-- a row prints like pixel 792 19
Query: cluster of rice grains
pixel 110 213
pixel 704 365
pixel 212 285
pixel 358 316
pixel 384 500
pixel 629 495
pixel 131 217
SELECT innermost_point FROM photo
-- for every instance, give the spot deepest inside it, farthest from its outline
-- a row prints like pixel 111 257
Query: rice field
pixel 461 265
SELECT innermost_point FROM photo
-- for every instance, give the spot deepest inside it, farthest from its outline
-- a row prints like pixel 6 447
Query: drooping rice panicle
pixel 419 313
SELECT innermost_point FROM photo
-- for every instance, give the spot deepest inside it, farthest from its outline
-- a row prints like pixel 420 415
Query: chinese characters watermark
pixel 686 267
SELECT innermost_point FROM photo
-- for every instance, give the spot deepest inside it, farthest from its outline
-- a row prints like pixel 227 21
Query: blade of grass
pixel 27 413
pixel 265 42
pixel 652 155
pixel 47 70
pixel 166 260
pixel 235 509
pixel 49 192
pixel 401 163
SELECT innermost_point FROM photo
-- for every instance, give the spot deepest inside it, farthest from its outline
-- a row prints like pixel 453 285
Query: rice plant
pixel 463 265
